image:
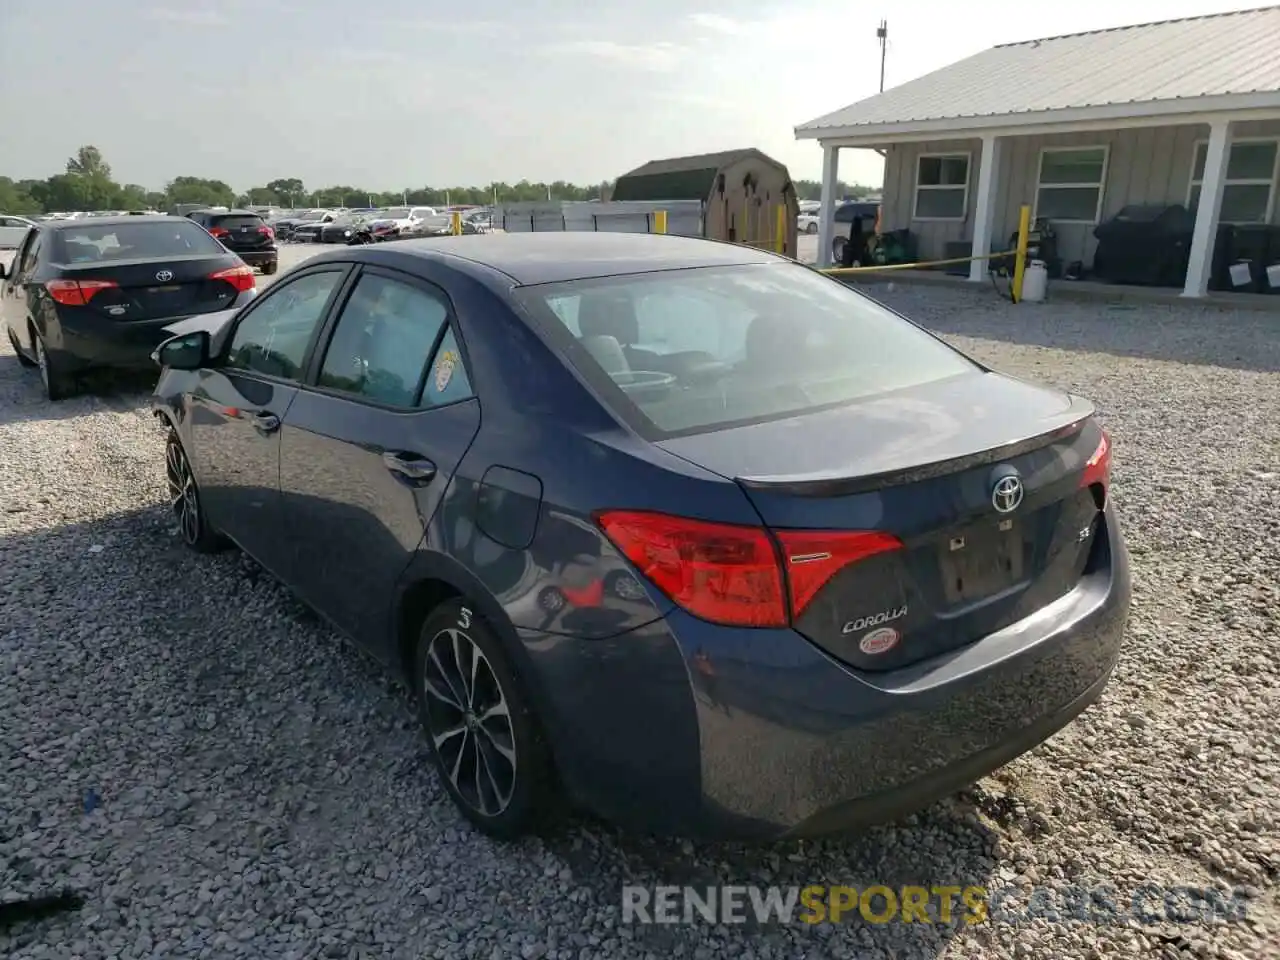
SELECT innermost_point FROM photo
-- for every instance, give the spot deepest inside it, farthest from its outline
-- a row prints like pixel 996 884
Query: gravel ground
pixel 222 777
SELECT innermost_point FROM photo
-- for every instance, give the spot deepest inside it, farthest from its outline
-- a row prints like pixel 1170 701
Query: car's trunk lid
pixel 923 465
pixel 153 289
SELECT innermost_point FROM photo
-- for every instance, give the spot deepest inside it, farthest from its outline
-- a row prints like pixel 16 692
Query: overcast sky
pixel 394 93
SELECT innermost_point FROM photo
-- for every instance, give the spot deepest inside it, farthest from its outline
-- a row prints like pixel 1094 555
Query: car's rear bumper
pixel 685 728
pixel 81 343
pixel 256 258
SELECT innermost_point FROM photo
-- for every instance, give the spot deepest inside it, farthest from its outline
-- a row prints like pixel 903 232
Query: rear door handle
pixel 410 466
pixel 266 423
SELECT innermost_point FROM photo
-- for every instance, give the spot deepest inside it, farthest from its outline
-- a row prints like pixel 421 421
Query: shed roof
pixel 1174 62
pixel 681 178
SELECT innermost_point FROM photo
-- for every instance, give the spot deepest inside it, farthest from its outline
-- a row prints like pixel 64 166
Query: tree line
pixel 87 184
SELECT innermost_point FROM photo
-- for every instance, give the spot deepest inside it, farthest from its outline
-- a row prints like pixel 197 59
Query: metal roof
pixel 1171 61
pixel 681 178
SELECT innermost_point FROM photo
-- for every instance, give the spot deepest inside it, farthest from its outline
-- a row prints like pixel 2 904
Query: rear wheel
pixel 17 349
pixel 837 250
pixel 271 267
pixel 184 500
pixel 57 385
pixel 480 728
pixel 811 228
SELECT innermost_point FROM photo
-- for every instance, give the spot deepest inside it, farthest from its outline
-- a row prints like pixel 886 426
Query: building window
pixel 1249 189
pixel 1070 185
pixel 942 186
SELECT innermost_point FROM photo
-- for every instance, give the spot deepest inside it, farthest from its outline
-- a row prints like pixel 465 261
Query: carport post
pixel 984 211
pixel 826 213
pixel 1200 260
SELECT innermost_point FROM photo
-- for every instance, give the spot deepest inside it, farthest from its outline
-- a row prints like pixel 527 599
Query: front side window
pixel 688 351
pixel 942 187
pixel 383 340
pixel 1249 187
pixel 273 335
pixel 1071 184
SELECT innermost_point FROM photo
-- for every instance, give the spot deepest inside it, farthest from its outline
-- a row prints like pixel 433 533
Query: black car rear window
pixel 128 241
pixel 234 221
pixel 688 351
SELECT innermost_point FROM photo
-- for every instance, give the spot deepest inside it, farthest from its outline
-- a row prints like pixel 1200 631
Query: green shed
pixel 741 192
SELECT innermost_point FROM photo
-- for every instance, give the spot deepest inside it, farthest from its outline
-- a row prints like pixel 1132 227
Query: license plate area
pixel 981 560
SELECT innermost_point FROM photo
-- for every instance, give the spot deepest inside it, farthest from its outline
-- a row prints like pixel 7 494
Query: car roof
pixel 230 213
pixel 531 258
pixel 78 224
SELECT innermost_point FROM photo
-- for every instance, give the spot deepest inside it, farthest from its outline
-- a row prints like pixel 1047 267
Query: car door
pixel 14 306
pixel 370 444
pixel 239 403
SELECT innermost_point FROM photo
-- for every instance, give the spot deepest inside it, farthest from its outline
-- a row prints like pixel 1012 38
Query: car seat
pixel 610 315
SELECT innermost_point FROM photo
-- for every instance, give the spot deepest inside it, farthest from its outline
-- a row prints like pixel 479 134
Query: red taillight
pixel 1097 469
pixel 733 574
pixel 219 232
pixel 266 232
pixel 76 293
pixel 240 277
pixel 815 556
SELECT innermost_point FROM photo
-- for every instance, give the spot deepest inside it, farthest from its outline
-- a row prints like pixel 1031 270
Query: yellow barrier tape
pixel 840 271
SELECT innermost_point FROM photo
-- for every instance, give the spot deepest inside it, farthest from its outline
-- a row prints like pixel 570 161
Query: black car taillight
pixel 77 293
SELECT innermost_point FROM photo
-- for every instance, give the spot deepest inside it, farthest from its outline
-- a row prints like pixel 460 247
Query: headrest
pixel 608 315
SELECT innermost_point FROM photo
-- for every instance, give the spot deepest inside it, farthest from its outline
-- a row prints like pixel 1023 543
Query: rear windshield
pixel 127 241
pixel 689 351
pixel 235 221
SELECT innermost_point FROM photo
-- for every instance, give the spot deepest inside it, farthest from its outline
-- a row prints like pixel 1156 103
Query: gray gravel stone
pixel 222 777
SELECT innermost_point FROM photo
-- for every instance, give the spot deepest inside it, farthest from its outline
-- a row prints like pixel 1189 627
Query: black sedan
pixel 688 532
pixel 83 294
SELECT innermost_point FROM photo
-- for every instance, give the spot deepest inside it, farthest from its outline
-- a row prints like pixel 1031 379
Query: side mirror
pixel 187 351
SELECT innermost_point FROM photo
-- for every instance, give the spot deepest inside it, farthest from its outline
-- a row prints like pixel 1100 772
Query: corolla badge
pixel 884 616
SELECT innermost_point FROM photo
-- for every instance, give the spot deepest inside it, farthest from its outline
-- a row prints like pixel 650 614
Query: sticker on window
pixel 444 370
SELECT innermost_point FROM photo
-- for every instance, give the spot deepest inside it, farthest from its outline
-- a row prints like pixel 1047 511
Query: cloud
pixel 657 57
pixel 188 17
pixel 715 23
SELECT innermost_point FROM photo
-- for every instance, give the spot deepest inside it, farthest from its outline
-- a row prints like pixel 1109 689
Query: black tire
pixel 271 267
pixel 17 349
pixel 57 384
pixel 184 499
pixel 490 723
pixel 811 228
pixel 837 250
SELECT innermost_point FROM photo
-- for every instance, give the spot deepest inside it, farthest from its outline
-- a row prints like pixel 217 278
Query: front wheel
pixel 483 737
pixel 184 500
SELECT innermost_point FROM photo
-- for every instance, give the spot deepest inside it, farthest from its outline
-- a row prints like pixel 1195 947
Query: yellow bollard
pixel 780 241
pixel 455 224
pixel 1020 261
pixel 660 221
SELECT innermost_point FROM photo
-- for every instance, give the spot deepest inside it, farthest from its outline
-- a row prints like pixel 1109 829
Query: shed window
pixel 1070 184
pixel 942 187
pixel 1248 193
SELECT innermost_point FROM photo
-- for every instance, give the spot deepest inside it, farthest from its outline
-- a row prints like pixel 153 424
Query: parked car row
pixel 320 225
pixel 720 511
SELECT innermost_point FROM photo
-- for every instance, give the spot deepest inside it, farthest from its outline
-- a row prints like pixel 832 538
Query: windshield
pixel 130 241
pixel 687 351
pixel 396 213
pixel 314 214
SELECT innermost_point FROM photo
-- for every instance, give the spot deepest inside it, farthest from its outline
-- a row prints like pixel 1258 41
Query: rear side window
pixel 689 351
pixel 127 241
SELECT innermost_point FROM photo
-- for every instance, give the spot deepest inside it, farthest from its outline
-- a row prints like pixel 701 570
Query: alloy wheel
pixel 469 722
pixel 182 492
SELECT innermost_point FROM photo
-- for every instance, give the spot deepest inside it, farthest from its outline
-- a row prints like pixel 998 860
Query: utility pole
pixel 882 34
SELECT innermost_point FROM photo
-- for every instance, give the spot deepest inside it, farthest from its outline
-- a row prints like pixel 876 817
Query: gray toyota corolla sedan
pixel 680 532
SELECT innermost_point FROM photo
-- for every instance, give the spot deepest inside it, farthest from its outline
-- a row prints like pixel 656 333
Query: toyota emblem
pixel 1006 494
pixel 164 276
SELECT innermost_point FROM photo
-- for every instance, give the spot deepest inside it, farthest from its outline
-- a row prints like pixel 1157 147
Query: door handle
pixel 266 423
pixel 410 466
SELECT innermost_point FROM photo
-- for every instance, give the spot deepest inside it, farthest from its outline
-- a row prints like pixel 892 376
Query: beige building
pixel 1180 112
